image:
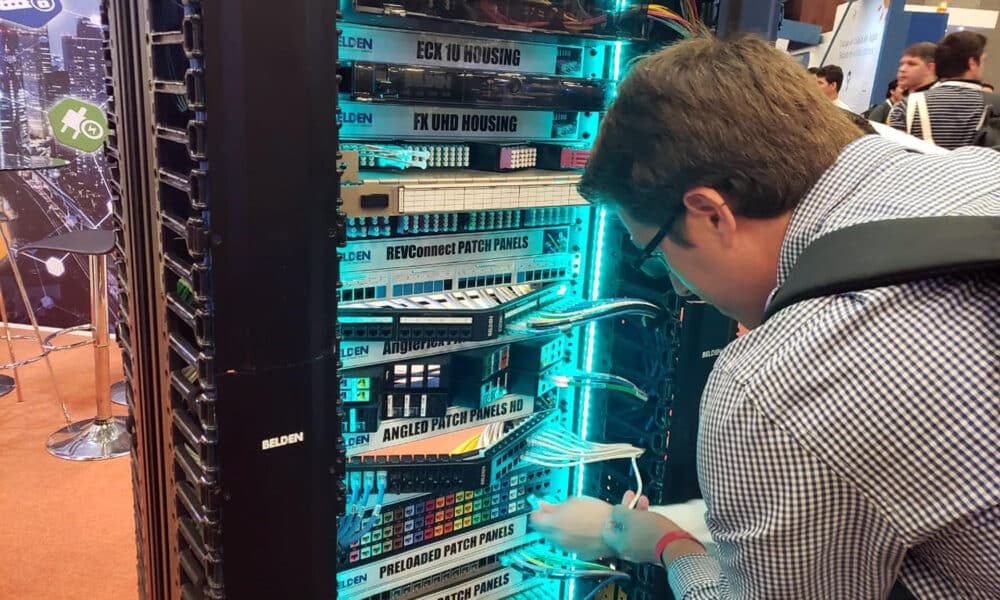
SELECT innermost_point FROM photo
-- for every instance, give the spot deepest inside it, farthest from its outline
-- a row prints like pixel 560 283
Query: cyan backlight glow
pixel 616 63
pixel 590 343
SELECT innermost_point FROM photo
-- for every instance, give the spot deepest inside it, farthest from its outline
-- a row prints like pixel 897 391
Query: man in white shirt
pixel 830 79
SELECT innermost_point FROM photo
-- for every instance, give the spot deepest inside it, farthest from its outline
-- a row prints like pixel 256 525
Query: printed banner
pixel 52 105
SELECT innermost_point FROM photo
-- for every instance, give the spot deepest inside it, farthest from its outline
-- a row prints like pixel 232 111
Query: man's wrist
pixel 680 548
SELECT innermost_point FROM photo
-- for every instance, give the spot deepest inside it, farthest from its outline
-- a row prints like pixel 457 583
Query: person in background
pixel 813 70
pixel 851 439
pixel 881 112
pixel 916 71
pixel 988 88
pixel 953 108
pixel 830 79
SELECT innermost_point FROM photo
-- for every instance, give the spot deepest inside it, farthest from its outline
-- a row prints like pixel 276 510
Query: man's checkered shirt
pixel 854 438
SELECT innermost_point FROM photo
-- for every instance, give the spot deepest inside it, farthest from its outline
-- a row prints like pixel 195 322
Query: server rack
pixel 226 168
pixel 229 286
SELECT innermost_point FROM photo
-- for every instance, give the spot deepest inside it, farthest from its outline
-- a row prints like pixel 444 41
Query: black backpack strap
pixel 992 100
pixel 881 253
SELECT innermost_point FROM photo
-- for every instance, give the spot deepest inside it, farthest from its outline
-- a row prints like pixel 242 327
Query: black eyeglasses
pixel 651 264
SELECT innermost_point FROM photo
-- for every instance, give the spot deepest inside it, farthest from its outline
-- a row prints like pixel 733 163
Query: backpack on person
pixel 891 252
pixel 987 132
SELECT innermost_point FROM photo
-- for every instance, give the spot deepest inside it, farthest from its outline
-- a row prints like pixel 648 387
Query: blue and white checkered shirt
pixel 854 439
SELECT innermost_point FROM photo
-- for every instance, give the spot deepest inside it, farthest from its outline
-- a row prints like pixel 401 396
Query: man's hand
pixel 575 525
pixel 633 534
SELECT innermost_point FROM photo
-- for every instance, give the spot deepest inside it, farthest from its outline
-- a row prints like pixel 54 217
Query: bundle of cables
pixel 540 561
pixel 388 156
pixel 548 13
pixel 492 434
pixel 556 447
pixel 593 310
pixel 353 526
pixel 601 381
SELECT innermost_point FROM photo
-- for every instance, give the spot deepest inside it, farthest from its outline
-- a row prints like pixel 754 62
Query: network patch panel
pixel 423 388
pixel 502 157
pixel 387 194
pixel 380 285
pixel 445 264
pixel 369 121
pixel 406 156
pixel 361 354
pixel 586 58
pixel 470 315
pixel 452 553
pixel 557 157
pixel 419 521
pixel 484 376
pixel 409 471
pixel 436 86
pixel 494 220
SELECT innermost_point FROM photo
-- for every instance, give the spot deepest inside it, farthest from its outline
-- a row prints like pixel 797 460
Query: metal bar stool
pixel 6 383
pixel 106 435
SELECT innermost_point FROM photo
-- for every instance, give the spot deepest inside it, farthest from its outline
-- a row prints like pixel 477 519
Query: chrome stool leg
pixel 106 436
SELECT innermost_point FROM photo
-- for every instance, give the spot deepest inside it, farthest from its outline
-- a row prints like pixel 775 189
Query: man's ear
pixel 708 211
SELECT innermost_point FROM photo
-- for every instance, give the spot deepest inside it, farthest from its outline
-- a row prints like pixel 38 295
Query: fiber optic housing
pixel 380 82
pixel 363 121
pixel 497 52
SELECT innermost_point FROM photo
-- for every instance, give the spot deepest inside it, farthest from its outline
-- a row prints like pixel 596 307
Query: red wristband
pixel 673 536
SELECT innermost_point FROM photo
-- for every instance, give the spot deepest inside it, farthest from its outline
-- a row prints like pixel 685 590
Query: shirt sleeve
pixel 785 525
pixel 689 516
pixel 897 118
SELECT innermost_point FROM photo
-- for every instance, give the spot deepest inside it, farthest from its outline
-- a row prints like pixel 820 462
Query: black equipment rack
pixel 223 155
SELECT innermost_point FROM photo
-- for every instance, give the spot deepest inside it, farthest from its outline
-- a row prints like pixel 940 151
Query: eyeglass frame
pixel 650 249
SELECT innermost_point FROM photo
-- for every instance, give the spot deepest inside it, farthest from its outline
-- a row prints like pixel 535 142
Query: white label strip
pixel 371 121
pixel 414 565
pixel 417 198
pixel 435 320
pixel 498 584
pixel 411 253
pixel 360 42
pixel 403 431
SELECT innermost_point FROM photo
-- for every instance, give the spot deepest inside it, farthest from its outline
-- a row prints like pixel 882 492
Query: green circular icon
pixel 78 124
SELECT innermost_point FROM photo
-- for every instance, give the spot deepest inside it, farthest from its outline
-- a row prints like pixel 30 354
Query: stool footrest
pixel 49 346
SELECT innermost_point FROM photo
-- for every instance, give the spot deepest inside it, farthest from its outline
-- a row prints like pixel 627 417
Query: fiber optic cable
pixel 589 311
pixel 604 381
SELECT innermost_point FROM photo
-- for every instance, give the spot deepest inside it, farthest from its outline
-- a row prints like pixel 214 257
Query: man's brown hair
pixel 955 50
pixel 922 50
pixel 738 116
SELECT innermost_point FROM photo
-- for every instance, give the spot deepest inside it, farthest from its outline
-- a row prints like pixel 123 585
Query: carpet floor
pixel 67 529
